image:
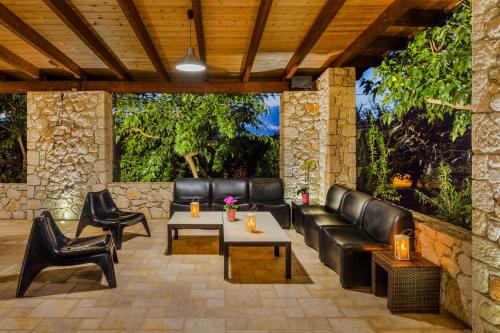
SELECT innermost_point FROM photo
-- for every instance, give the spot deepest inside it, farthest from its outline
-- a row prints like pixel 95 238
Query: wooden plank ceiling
pixel 264 41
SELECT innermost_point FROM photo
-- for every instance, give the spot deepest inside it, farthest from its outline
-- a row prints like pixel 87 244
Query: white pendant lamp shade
pixel 189 63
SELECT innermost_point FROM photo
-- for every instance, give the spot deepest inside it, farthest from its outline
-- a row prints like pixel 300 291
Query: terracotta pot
pixel 231 215
pixel 305 198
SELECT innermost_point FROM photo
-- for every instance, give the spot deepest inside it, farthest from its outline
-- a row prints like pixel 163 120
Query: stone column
pixel 70 148
pixel 299 140
pixel 337 105
pixel 486 166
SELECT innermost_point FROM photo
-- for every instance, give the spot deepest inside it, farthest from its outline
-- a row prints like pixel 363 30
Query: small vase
pixel 231 215
pixel 305 198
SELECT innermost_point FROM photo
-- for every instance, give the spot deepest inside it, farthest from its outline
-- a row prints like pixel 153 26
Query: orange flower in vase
pixel 230 207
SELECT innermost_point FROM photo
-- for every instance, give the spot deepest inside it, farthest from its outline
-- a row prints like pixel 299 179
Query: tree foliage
pixel 434 72
pixel 13 158
pixel 154 130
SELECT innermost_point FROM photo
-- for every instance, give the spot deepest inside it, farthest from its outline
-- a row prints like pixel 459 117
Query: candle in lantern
pixel 195 208
pixel 402 245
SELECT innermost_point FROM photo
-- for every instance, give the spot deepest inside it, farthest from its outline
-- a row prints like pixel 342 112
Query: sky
pixel 271 121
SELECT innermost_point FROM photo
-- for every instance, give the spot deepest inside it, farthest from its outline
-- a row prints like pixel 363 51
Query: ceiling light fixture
pixel 190 63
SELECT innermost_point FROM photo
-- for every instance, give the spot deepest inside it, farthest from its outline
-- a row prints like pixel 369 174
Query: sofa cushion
pixel 313 209
pixel 353 206
pixel 383 220
pixel 265 191
pixel 353 238
pixel 334 197
pixel 185 189
pixel 235 187
pixel 330 220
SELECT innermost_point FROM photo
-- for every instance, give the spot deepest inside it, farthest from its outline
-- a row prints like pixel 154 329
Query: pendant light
pixel 190 63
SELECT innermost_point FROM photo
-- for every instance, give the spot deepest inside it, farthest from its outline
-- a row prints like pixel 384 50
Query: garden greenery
pixel 452 203
pixel 378 173
pixel 434 71
pixel 164 136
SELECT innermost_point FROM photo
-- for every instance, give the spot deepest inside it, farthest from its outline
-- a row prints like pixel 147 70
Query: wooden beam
pixel 135 21
pixel 384 44
pixel 82 28
pixel 228 87
pixel 198 24
pixel 28 34
pixel 258 31
pixel 393 12
pixel 421 18
pixel 325 17
pixel 19 63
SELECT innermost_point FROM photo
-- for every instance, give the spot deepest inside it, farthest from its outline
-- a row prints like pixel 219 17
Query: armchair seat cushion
pixel 314 209
pixel 88 245
pixel 130 218
pixel 353 239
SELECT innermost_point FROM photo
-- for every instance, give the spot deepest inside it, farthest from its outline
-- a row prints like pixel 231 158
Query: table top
pixel 268 230
pixel 416 260
pixel 185 218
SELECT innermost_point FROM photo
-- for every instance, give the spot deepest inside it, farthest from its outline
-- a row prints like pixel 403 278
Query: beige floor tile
pixel 319 307
pixel 89 324
pixel 54 308
pixel 342 325
pixel 162 324
pixel 19 323
pixel 204 325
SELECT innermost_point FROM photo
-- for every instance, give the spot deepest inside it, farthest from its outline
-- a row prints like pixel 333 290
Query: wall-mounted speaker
pixel 301 82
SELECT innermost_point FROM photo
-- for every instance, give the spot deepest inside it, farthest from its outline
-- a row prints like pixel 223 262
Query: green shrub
pixel 378 171
pixel 453 204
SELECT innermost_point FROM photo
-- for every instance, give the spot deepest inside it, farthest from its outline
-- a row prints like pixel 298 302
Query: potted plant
pixel 307 166
pixel 230 207
pixel 304 191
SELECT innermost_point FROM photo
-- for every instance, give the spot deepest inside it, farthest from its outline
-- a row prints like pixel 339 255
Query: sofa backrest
pixel 185 189
pixel 383 220
pixel 222 187
pixel 353 206
pixel 334 197
pixel 265 190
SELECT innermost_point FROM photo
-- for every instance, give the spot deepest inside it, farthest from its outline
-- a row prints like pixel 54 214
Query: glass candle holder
pixel 402 245
pixel 195 207
pixel 251 221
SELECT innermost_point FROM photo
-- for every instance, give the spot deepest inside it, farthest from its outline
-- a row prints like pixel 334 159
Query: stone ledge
pixel 443 227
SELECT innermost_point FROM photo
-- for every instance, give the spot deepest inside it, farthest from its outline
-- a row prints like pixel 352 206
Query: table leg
pixel 169 240
pixel 276 251
pixel 176 234
pixel 226 262
pixel 288 261
pixel 221 240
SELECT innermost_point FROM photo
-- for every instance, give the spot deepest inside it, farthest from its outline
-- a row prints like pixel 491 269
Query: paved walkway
pixel 186 292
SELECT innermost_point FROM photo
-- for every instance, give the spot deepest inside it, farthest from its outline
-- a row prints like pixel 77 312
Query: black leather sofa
pixel 348 228
pixel 266 193
pixel 348 250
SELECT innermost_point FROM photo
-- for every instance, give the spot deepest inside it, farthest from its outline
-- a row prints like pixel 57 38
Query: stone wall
pixel 320 125
pixel 13 201
pixel 69 150
pixel 449 247
pixel 152 199
pixel 486 164
pixel 337 104
pixel 299 140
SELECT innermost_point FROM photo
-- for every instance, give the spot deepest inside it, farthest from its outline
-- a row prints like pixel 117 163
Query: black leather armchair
pixel 268 195
pixel 47 246
pixel 348 251
pixel 350 212
pixel 332 205
pixel 186 189
pixel 99 210
pixel 236 187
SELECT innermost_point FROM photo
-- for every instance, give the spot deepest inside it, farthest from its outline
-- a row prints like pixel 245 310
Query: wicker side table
pixel 410 286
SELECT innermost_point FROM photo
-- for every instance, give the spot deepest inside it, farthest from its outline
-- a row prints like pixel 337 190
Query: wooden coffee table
pixel 184 220
pixel 270 234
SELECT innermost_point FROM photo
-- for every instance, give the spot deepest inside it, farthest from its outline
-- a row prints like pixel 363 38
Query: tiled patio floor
pixel 187 293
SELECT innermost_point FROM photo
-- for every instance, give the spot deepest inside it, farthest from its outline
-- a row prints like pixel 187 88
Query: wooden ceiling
pixel 257 44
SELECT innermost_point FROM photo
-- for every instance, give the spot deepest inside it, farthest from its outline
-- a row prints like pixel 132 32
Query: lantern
pixel 195 207
pixel 402 245
pixel 251 220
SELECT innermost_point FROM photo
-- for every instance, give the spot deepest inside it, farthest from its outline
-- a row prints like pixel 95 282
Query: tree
pixel 434 72
pixel 152 128
pixel 13 156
